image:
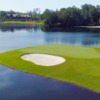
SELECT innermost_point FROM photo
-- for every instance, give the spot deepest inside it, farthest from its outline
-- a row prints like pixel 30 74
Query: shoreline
pixel 88 26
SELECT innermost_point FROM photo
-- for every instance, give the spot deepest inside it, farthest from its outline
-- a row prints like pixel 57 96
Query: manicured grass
pixel 24 22
pixel 82 66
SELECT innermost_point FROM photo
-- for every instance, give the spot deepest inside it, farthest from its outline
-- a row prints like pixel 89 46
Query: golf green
pixel 82 66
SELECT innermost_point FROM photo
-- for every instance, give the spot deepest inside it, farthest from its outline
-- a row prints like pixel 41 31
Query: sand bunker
pixel 43 59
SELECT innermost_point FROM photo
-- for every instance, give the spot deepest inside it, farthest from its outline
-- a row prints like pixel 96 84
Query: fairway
pixel 82 66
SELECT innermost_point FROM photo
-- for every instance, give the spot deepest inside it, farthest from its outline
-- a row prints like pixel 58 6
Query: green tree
pixel 3 14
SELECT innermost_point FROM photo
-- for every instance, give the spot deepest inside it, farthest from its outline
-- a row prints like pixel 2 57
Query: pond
pixel 16 85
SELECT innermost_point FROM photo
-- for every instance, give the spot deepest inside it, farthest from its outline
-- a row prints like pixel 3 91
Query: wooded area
pixel 73 16
pixel 65 17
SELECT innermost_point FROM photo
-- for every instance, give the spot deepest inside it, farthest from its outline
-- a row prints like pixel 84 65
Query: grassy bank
pixel 23 22
pixel 82 66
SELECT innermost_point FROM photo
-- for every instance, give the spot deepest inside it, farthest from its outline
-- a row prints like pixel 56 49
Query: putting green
pixel 82 66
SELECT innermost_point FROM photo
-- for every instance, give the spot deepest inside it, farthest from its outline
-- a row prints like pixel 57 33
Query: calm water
pixel 16 85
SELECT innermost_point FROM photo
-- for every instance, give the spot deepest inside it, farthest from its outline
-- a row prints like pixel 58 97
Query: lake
pixel 17 85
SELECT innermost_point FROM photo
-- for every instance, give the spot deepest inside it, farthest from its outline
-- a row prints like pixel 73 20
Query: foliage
pixel 65 17
pixel 73 16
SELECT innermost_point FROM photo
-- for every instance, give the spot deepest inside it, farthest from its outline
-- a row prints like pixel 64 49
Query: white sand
pixel 43 59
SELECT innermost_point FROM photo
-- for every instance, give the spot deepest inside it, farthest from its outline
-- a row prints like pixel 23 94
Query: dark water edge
pixel 12 28
pixel 17 85
pixel 71 29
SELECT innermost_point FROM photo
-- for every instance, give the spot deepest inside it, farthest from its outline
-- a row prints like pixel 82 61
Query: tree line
pixel 72 16
pixel 65 17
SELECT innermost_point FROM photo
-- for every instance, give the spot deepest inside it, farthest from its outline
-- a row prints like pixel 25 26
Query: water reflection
pixel 33 35
pixel 80 39
pixel 12 28
pixel 72 29
pixel 23 36
pixel 15 85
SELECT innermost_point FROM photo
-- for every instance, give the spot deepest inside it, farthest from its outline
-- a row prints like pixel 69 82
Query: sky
pixel 27 5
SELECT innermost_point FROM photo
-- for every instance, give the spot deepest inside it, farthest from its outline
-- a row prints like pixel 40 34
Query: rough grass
pixel 23 22
pixel 82 66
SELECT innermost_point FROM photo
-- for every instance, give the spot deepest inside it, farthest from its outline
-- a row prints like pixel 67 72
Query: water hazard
pixel 16 85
